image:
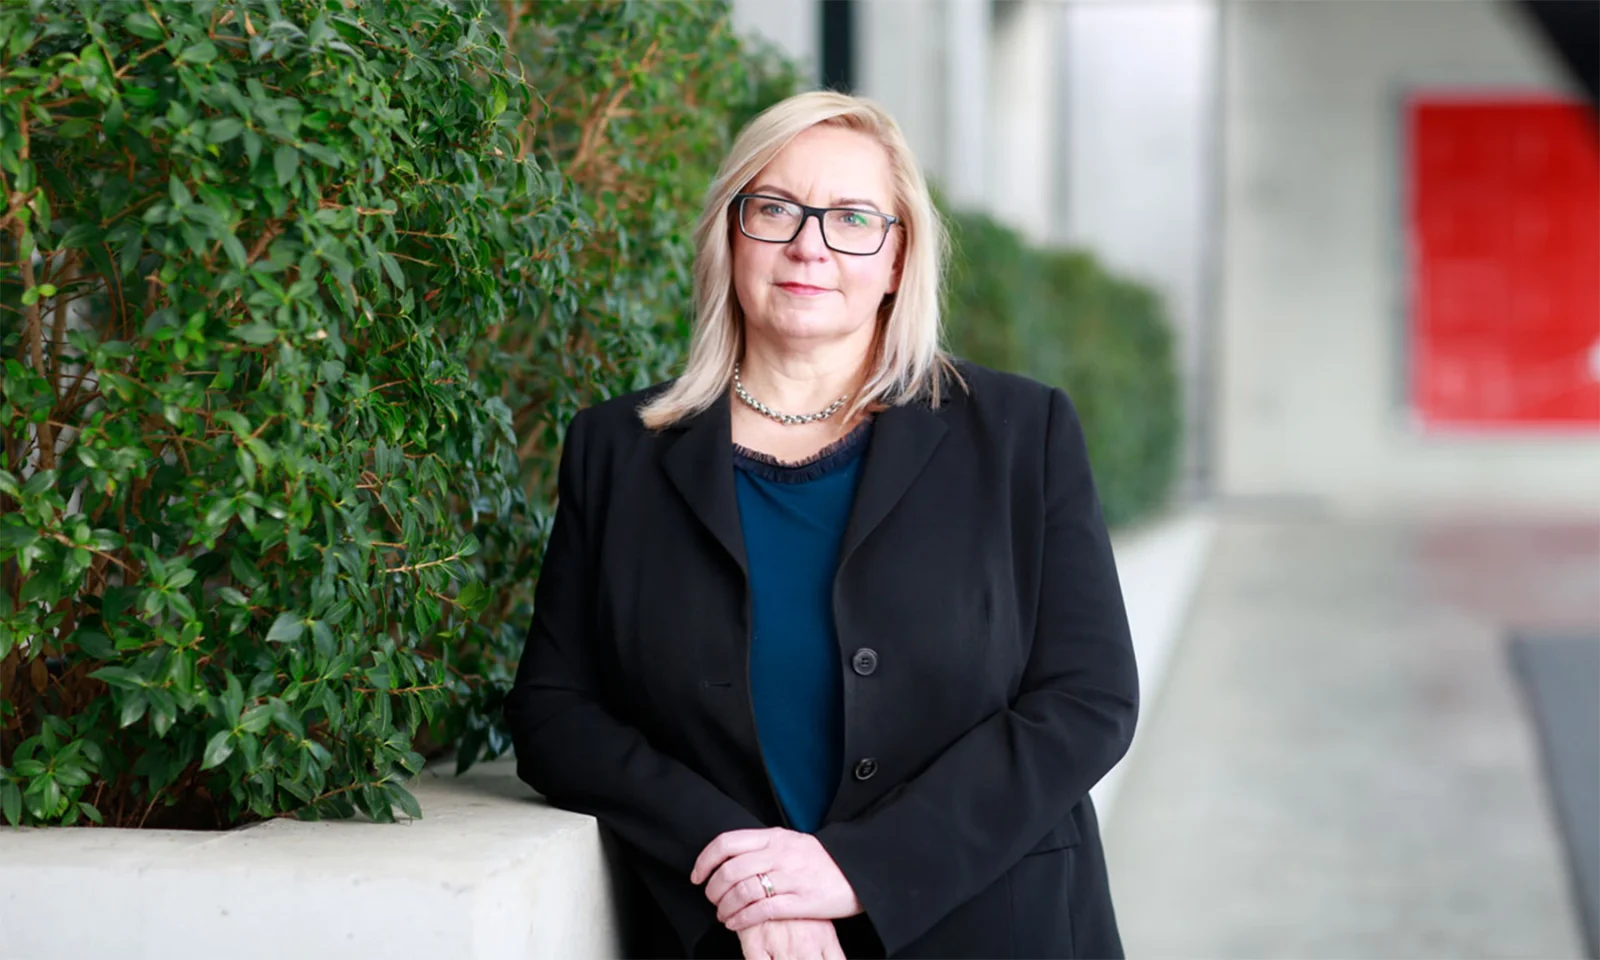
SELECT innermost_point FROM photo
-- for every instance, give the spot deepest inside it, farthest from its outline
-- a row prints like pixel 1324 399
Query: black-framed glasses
pixel 848 230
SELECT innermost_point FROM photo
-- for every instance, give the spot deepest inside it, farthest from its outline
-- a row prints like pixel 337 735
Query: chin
pixel 810 326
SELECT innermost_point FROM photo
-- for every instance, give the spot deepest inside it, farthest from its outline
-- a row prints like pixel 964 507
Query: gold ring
pixel 766 883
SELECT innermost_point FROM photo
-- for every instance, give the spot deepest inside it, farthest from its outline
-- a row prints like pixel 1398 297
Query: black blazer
pixel 989 677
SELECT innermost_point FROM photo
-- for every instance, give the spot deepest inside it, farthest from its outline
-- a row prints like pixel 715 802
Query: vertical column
pixel 793 26
pixel 899 61
pixel 966 77
pixel 1022 153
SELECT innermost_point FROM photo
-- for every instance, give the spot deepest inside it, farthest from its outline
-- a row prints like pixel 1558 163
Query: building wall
pixel 1138 168
pixel 900 52
pixel 1311 394
pixel 1024 161
pixel 793 26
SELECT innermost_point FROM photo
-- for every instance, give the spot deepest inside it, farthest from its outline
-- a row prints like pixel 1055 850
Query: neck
pixel 800 381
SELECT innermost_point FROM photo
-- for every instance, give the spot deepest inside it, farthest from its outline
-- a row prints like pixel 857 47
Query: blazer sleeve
pixel 576 752
pixel 949 832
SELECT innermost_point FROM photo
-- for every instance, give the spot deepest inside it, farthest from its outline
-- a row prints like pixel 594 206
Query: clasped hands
pixel 807 893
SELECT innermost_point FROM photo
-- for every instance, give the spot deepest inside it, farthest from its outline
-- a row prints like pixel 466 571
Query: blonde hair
pixel 907 362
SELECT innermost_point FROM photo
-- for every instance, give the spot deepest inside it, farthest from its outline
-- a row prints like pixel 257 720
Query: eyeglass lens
pixel 848 231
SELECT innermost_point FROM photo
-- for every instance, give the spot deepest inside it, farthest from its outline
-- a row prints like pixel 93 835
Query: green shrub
pixel 250 247
pixel 1059 316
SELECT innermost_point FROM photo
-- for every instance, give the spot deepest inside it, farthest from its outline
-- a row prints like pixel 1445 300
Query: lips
pixel 803 290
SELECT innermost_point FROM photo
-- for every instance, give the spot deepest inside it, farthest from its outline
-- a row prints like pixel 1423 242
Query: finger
pixel 739 896
pixel 780 907
pixel 754 952
pixel 832 949
pixel 726 845
pixel 734 870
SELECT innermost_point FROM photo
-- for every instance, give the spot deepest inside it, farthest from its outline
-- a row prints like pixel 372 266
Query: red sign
pixel 1504 220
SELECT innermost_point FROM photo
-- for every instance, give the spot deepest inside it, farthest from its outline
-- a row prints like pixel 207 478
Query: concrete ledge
pixel 1159 564
pixel 489 872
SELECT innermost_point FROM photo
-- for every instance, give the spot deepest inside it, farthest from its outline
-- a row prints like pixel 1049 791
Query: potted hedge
pixel 247 250
pixel 1060 316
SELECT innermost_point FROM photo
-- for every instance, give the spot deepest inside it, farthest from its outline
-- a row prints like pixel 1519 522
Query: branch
pixel 62 538
pixel 412 568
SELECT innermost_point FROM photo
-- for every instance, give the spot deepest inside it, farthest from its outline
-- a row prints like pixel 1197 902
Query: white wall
pixel 1139 173
pixel 1023 161
pixel 793 26
pixel 926 61
pixel 1311 391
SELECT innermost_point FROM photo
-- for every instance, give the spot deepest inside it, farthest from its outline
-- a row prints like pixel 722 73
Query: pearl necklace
pixel 792 419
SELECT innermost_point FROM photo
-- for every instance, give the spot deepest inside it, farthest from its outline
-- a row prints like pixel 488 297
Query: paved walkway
pixel 1339 764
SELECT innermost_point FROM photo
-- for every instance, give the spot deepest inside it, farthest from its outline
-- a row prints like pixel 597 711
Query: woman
pixel 828 631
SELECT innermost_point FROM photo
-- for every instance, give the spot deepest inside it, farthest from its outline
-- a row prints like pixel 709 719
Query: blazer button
pixel 865 661
pixel 865 768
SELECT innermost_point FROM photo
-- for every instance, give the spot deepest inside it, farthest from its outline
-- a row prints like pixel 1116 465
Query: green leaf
pixel 39 483
pixel 235 250
pixel 255 719
pixel 94 643
pixel 181 605
pixel 287 628
pixel 142 98
pixel 401 796
pixel 203 52
pixel 221 131
pixel 257 333
pixel 90 811
pixel 11 802
pixel 80 235
pixel 239 566
pixel 133 707
pixel 391 266
pixel 285 160
pixel 163 711
pixel 218 749
pixel 49 795
pixel 379 677
pixel 120 677
pixel 142 25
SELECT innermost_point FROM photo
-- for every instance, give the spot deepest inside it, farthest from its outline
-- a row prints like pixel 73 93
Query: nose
pixel 807 244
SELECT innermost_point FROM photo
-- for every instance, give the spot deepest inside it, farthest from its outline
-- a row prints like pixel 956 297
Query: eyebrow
pixel 838 202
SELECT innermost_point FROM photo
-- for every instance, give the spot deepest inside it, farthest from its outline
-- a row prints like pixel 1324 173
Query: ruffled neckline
pixel 824 461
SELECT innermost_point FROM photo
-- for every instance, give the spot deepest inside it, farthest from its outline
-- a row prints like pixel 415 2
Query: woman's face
pixel 801 290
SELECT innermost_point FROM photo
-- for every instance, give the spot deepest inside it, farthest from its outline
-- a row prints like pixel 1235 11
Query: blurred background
pixel 1325 277
pixel 1321 276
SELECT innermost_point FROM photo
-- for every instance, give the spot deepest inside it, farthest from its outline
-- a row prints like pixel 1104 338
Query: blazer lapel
pixel 700 464
pixel 903 440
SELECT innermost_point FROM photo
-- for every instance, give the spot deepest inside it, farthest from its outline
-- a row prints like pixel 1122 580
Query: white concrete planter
pixel 490 872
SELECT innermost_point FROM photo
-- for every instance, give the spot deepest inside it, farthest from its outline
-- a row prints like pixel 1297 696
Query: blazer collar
pixel 903 440
pixel 699 463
